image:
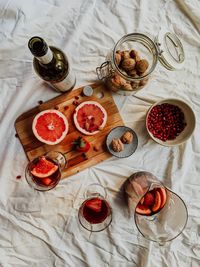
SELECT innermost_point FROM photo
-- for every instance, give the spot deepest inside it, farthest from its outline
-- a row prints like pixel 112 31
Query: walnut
pixel 135 85
pixel 117 80
pixel 143 82
pixel 119 52
pixel 132 73
pixel 128 64
pixel 117 58
pixel 127 137
pixel 115 83
pixel 117 145
pixel 125 54
pixel 142 66
pixel 127 86
pixel 135 54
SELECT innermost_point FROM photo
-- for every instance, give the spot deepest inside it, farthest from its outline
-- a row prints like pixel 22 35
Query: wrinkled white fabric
pixel 41 229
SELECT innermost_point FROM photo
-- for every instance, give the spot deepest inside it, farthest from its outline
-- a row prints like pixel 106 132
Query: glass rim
pixel 143 38
pixel 162 243
pixel 95 184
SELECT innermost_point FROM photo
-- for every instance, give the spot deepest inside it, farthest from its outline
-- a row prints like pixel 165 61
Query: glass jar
pixel 133 59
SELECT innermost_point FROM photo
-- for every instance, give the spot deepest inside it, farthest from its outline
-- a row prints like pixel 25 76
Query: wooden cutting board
pixel 66 103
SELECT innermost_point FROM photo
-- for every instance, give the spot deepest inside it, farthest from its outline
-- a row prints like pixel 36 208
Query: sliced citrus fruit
pixel 44 168
pixel 143 210
pixel 163 195
pixel 50 126
pixel 157 202
pixel 90 117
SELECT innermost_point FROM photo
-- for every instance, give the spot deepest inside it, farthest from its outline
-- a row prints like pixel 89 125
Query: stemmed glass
pixel 44 172
pixel 160 214
pixel 95 213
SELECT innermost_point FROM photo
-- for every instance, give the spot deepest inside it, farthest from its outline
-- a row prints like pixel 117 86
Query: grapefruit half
pixel 50 126
pixel 44 168
pixel 90 117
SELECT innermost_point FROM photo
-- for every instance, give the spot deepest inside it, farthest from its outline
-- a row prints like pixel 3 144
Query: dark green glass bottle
pixel 51 64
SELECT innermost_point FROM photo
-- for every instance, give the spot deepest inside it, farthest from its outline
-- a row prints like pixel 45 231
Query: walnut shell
pixel 125 54
pixel 117 145
pixel 118 58
pixel 115 83
pixel 117 80
pixel 132 73
pixel 142 66
pixel 128 64
pixel 135 85
pixel 143 82
pixel 135 54
pixel 127 87
pixel 127 137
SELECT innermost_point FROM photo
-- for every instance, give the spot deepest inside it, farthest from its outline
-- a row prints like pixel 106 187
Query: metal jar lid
pixel 170 49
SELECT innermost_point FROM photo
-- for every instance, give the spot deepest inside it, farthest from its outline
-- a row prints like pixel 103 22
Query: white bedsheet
pixel 41 229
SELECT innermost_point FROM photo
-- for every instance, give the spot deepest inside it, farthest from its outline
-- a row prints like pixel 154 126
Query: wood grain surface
pixel 66 103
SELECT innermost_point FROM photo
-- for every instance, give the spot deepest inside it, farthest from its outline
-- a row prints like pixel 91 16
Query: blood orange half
pixel 50 126
pixel 90 117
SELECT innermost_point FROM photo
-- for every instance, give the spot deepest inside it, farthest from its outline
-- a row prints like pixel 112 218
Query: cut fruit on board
pixel 50 126
pixel 44 168
pixel 90 117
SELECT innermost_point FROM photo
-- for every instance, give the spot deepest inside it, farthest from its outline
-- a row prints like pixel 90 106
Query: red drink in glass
pixel 43 173
pixel 95 213
pixel 95 210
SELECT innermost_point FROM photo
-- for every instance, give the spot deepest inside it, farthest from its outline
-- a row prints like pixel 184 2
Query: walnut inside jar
pixel 130 64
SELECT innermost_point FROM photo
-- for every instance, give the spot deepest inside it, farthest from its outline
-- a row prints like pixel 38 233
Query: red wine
pixel 95 213
pixel 51 64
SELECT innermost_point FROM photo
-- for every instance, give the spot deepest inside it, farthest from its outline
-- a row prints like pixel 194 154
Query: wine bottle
pixel 51 64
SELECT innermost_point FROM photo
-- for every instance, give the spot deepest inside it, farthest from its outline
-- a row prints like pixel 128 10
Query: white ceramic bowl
pixel 189 119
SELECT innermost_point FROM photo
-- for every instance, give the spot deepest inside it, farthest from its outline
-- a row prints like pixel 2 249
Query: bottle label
pixel 47 58
pixel 66 84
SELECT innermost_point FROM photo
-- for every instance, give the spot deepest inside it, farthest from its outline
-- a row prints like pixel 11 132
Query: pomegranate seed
pixel 76 97
pixel 166 121
pixel 75 103
pixel 66 108
pixel 18 177
pixel 16 135
pixel 40 102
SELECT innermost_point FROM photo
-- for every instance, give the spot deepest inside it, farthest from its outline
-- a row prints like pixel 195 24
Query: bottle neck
pixel 47 58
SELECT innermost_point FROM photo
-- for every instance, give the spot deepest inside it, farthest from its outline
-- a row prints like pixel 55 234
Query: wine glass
pixel 160 214
pixel 44 172
pixel 95 213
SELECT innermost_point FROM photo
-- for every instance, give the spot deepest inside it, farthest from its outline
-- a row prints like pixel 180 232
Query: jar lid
pixel 170 49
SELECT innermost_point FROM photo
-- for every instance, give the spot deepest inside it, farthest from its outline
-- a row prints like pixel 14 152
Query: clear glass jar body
pixel 129 64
